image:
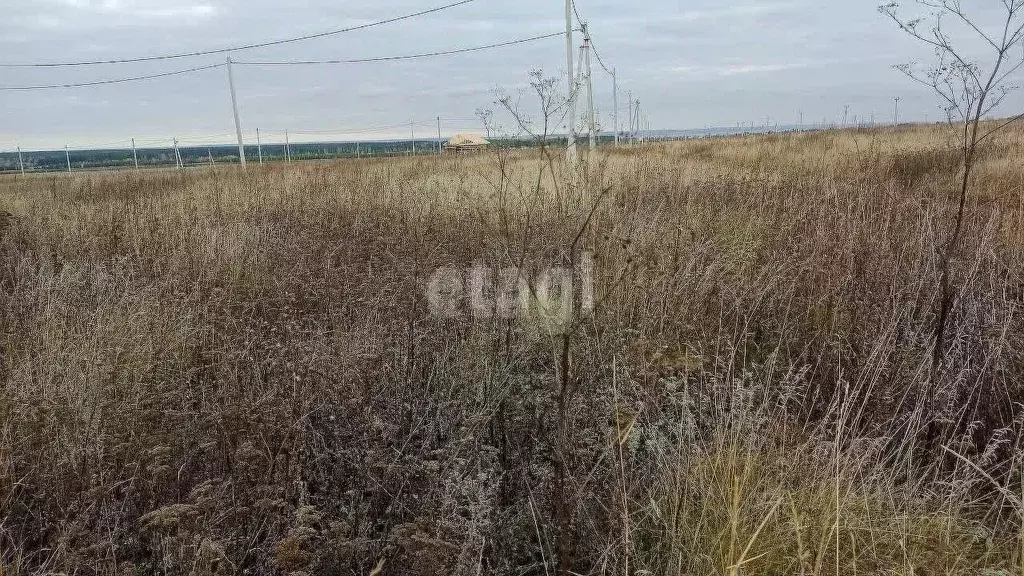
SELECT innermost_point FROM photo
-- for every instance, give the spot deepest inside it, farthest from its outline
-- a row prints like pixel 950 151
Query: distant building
pixel 466 143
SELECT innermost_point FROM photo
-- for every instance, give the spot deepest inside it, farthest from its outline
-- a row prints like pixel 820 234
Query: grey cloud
pixel 690 62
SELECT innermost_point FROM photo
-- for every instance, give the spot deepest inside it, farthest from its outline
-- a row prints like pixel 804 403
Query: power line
pixel 348 131
pixel 577 12
pixel 243 47
pixel 289 63
pixel 598 56
pixel 352 130
pixel 592 46
pixel 112 81
pixel 406 57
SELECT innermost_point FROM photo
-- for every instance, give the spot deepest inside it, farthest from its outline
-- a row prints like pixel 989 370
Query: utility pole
pixel 412 130
pixel 234 107
pixel 801 119
pixel 287 147
pixel 570 154
pixel 846 114
pixel 636 120
pixel 135 155
pixel 591 120
pixel 67 155
pixel 896 113
pixel 177 155
pixel 438 135
pixel 615 99
pixel 358 156
pixel 21 162
pixel 209 152
pixel 259 146
pixel 630 133
pixel 640 115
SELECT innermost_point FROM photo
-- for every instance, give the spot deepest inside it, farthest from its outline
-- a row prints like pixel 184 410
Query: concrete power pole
pixel 177 155
pixel 412 131
pixel 615 100
pixel 846 114
pixel 234 108
pixel 21 162
pixel 287 147
pixel 629 136
pixel 896 113
pixel 135 154
pixel 636 122
pixel 438 135
pixel 67 155
pixel 591 120
pixel 259 146
pixel 570 153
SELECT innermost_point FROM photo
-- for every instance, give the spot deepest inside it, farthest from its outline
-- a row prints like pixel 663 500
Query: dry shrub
pixel 220 372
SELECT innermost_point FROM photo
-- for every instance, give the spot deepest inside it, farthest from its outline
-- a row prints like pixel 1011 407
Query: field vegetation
pixel 212 371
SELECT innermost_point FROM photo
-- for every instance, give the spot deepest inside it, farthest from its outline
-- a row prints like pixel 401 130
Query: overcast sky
pixel 690 63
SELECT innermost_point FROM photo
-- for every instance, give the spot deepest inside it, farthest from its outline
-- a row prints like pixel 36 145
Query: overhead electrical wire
pixel 356 130
pixel 577 12
pixel 576 87
pixel 238 48
pixel 592 45
pixel 287 63
pixel 353 130
pixel 598 56
pixel 110 81
pixel 406 57
pixel 111 145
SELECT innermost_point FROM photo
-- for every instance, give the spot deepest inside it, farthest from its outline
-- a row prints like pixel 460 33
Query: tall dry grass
pixel 213 372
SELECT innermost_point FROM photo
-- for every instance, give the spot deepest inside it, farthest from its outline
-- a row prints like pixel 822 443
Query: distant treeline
pixel 55 160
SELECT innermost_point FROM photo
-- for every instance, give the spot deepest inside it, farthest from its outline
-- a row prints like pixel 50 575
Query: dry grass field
pixel 217 372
